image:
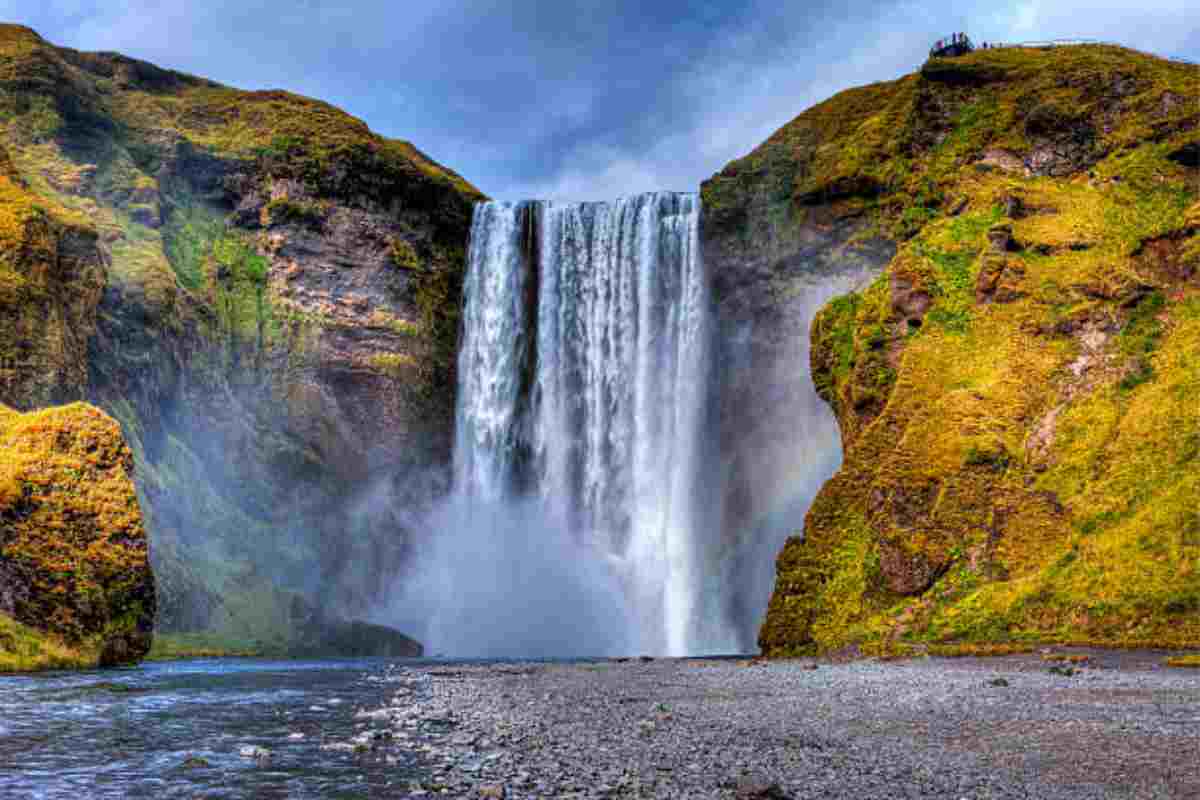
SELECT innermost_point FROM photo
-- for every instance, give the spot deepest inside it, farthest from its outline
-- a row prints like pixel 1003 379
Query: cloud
pixel 580 99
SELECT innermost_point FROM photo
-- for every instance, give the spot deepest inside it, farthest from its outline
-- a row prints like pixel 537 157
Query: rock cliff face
pixel 75 582
pixel 1017 391
pixel 262 291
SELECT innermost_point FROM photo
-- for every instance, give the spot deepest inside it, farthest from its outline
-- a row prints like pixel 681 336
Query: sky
pixel 572 100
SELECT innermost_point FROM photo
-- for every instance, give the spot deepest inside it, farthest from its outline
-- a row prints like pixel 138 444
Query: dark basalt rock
pixel 1187 156
pixel 356 639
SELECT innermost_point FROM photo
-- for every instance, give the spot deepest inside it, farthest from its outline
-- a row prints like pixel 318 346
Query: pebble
pixel 677 728
pixel 255 752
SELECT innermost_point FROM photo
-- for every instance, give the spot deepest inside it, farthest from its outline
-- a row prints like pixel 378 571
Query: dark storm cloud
pixel 575 99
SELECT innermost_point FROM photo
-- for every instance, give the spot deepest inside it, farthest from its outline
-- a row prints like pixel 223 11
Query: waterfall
pixel 584 383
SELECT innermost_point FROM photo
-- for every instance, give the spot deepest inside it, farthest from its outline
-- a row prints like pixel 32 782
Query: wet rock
pixel 325 637
pixel 1187 156
pixel 998 682
pixel 760 790
pixel 255 752
pixel 195 762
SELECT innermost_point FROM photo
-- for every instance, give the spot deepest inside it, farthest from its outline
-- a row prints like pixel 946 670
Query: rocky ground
pixel 1119 725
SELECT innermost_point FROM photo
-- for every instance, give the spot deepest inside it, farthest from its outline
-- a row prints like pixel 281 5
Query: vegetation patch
pixel 177 646
pixel 24 649
pixel 285 211
pixel 1190 662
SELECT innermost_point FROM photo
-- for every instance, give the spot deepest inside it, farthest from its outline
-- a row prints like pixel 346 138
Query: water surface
pixel 130 733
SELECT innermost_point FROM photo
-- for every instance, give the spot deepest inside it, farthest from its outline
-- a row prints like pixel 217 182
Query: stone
pixel 909 300
pixel 255 752
pixel 1000 238
pixel 999 280
pixel 907 572
pixel 760 790
pixel 1014 207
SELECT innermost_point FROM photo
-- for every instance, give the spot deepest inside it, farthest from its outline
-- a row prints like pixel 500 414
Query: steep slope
pixel 1017 392
pixel 263 292
pixel 75 582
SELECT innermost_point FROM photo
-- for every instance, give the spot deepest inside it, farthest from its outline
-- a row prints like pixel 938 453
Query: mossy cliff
pixel 75 583
pixel 262 291
pixel 1018 390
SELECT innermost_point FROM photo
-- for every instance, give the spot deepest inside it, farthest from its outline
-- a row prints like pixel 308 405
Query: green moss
pixel 176 646
pixel 23 649
pixel 284 211
pixel 1192 662
pixel 438 292
pixel 73 532
pixel 404 255
pixel 1036 464
pixel 394 364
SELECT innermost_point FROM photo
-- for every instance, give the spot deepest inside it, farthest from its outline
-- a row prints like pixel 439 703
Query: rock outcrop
pixel 263 292
pixel 74 569
pixel 1017 391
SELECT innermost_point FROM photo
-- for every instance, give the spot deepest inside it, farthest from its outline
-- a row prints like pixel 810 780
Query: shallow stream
pixel 179 729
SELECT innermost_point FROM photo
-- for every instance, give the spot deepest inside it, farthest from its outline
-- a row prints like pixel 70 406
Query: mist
pixel 505 580
pixel 785 463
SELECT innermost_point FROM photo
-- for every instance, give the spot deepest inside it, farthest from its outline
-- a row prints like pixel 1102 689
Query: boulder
pixel 73 550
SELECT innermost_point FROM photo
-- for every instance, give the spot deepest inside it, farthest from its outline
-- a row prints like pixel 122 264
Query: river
pixel 179 729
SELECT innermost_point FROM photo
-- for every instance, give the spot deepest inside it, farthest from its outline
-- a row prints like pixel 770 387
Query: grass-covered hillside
pixel 1019 391
pixel 262 291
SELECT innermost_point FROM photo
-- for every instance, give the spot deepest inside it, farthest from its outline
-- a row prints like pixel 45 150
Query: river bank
pixel 1118 725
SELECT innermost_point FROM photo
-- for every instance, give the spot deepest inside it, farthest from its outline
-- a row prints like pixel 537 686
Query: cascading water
pixel 583 381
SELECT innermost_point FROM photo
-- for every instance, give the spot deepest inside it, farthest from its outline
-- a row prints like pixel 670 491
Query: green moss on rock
pixel 1016 392
pixel 73 551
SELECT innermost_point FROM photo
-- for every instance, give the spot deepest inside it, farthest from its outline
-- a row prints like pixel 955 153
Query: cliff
pixel 1017 390
pixel 263 292
pixel 75 583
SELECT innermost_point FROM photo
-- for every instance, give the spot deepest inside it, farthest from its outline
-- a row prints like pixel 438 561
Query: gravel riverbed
pixel 1121 726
